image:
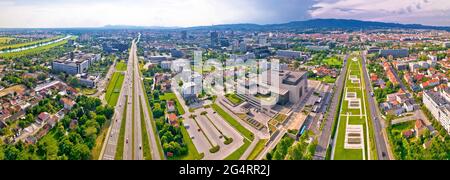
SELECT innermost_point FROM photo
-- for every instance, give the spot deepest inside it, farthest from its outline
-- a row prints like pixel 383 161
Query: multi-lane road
pixel 380 137
pixel 133 93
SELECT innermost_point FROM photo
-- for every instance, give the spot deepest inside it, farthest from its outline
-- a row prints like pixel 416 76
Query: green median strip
pixel 145 139
pixel 121 140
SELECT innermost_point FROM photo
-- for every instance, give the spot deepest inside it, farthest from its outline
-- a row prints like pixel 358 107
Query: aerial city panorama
pixel 225 80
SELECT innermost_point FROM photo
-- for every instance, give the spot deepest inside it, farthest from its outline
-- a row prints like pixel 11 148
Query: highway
pixel 139 95
pixel 113 136
pixel 325 136
pixel 133 89
pixel 380 137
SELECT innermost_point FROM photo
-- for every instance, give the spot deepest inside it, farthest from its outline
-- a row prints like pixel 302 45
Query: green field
pixel 358 116
pixel 5 40
pixel 34 51
pixel 114 87
pixel 121 66
pixel 31 43
pixel 173 97
pixel 121 140
pixel 333 62
pixel 257 150
pixel 326 79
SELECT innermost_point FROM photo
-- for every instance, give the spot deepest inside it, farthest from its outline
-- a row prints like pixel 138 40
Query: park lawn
pixel 326 79
pixel 258 149
pixel 121 66
pixel 173 97
pixel 233 122
pixel 121 140
pixel 33 51
pixel 145 139
pixel 114 87
pixel 193 153
pixel 345 154
pixel 236 155
pixel 234 99
pixel 334 62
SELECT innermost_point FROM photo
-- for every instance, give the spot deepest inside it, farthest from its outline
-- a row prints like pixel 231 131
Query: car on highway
pixel 140 146
pixel 127 141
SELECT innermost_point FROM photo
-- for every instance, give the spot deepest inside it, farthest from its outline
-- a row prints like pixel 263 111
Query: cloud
pixel 77 13
pixel 95 13
pixel 429 12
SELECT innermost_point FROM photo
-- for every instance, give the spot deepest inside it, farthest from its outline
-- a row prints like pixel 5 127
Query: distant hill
pixel 318 24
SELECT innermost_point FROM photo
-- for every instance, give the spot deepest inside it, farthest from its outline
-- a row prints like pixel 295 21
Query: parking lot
pixel 213 126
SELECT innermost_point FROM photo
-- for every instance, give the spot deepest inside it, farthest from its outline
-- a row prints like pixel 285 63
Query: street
pixel 379 132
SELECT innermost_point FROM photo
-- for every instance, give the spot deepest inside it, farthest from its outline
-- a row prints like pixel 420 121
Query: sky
pixel 187 13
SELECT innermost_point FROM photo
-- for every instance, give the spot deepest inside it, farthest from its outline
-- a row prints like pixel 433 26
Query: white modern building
pixel 438 103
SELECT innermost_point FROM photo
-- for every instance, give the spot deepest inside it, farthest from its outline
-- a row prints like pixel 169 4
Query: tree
pixel 297 151
pixel 80 152
pixel 47 148
pixel 296 64
pixel 2 153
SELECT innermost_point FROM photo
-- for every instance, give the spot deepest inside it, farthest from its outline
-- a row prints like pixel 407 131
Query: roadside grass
pixel 258 149
pixel 145 139
pixel 114 87
pixel 96 151
pixel 173 97
pixel 236 155
pixel 121 140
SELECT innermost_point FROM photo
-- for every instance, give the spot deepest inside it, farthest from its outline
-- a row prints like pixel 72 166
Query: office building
pixel 438 104
pixel 289 54
pixel 395 53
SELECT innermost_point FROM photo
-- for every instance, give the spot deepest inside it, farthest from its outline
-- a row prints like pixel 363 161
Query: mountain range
pixel 313 24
